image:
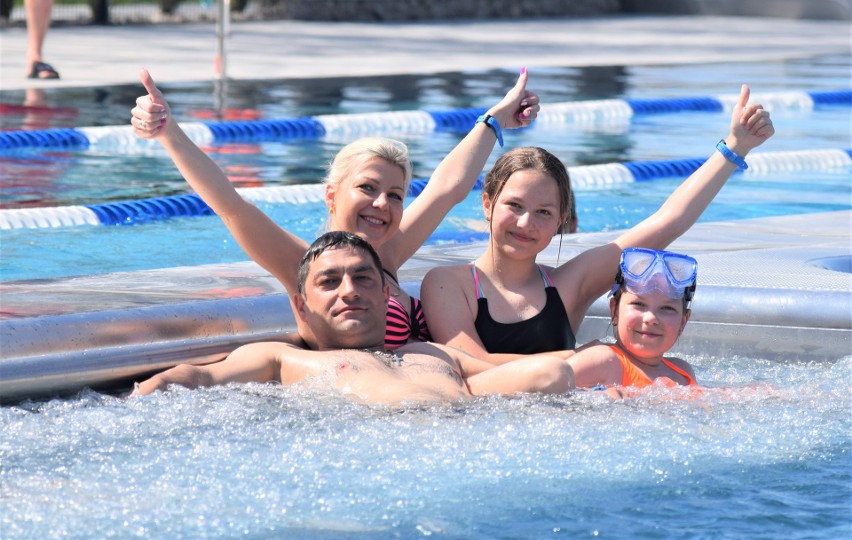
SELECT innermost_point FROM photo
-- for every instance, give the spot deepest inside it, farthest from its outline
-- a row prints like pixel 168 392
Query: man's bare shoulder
pixel 271 352
pixel 291 363
pixel 270 347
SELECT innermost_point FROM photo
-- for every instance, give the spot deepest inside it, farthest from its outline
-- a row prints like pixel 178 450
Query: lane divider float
pixel 586 177
pixel 582 113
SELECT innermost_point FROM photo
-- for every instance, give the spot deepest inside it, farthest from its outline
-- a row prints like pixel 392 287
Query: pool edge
pixel 760 295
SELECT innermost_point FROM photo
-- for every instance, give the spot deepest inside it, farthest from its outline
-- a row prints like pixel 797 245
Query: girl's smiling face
pixel 525 216
pixel 369 201
pixel 648 325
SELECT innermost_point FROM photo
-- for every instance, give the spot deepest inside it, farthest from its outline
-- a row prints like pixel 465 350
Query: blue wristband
pixel 493 124
pixel 730 155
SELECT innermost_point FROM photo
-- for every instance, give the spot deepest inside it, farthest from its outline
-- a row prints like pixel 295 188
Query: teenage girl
pixel 649 307
pixel 366 186
pixel 503 304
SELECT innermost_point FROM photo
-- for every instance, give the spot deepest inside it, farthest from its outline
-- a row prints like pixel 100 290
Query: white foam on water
pixel 262 460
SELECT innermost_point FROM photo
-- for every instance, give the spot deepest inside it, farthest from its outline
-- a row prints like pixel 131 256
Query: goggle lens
pixel 681 267
pixel 639 267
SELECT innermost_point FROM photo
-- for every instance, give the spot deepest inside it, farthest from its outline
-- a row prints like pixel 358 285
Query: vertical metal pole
pixel 223 29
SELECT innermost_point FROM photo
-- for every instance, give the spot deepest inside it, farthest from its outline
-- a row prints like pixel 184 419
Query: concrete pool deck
pixel 88 56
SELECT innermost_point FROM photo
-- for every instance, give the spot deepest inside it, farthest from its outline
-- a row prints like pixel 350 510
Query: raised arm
pixel 590 274
pixel 750 127
pixel 457 173
pixel 268 244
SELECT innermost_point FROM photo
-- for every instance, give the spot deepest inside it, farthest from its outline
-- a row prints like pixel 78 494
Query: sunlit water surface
pixel 54 178
pixel 762 452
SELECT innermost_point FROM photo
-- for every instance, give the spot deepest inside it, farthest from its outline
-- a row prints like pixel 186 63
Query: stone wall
pixel 420 10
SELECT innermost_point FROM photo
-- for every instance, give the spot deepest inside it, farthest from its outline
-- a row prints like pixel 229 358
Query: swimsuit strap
pixel 545 277
pixel 630 374
pixel 479 292
pixel 689 380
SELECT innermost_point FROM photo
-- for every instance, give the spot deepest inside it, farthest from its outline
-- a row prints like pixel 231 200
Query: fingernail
pixel 523 70
pixel 163 121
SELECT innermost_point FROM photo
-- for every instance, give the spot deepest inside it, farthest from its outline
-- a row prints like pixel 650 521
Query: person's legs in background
pixel 38 21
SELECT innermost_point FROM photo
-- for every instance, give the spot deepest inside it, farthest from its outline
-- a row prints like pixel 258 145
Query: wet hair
pixel 335 240
pixel 357 152
pixel 538 159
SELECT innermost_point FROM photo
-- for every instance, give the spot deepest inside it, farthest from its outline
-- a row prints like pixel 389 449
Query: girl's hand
pixel 151 113
pixel 750 125
pixel 519 107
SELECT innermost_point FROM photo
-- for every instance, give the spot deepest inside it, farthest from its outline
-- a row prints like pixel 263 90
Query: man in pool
pixel 343 299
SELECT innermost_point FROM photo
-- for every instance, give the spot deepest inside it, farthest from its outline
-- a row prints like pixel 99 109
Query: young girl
pixel 503 304
pixel 649 307
pixel 367 184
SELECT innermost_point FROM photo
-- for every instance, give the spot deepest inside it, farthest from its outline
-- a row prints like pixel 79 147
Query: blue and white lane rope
pixel 582 178
pixel 601 113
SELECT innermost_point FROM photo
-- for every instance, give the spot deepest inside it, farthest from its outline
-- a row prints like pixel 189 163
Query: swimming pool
pixel 762 453
pixel 66 177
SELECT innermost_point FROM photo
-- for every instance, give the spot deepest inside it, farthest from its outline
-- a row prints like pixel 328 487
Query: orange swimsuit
pixel 633 376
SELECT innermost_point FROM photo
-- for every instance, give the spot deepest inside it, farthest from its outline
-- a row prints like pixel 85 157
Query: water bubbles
pixel 268 459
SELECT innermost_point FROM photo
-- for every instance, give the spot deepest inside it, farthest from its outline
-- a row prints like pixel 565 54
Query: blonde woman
pixel 367 184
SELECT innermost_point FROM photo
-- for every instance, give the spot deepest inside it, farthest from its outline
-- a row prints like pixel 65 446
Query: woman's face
pixel 368 201
pixel 525 215
pixel 648 324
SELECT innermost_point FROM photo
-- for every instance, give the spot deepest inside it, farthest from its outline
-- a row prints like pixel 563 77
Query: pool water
pixel 763 452
pixel 44 253
pixel 31 178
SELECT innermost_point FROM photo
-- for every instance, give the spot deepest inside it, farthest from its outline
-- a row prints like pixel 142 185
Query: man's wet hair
pixel 335 240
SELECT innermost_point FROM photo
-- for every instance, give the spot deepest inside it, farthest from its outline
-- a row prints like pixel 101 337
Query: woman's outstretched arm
pixel 269 245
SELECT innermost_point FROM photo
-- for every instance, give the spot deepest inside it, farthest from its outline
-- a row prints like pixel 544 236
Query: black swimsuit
pixel 547 331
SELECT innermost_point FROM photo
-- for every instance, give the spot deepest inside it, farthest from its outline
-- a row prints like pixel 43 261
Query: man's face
pixel 344 302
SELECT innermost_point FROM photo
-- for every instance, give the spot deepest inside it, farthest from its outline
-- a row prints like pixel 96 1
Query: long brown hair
pixel 538 159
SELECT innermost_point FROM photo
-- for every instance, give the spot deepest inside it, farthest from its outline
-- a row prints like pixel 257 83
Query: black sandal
pixel 42 70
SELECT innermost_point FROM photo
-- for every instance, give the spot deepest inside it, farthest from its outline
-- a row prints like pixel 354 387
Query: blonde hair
pixel 357 152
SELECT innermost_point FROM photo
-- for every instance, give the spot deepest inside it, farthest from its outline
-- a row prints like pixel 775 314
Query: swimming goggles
pixel 644 270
